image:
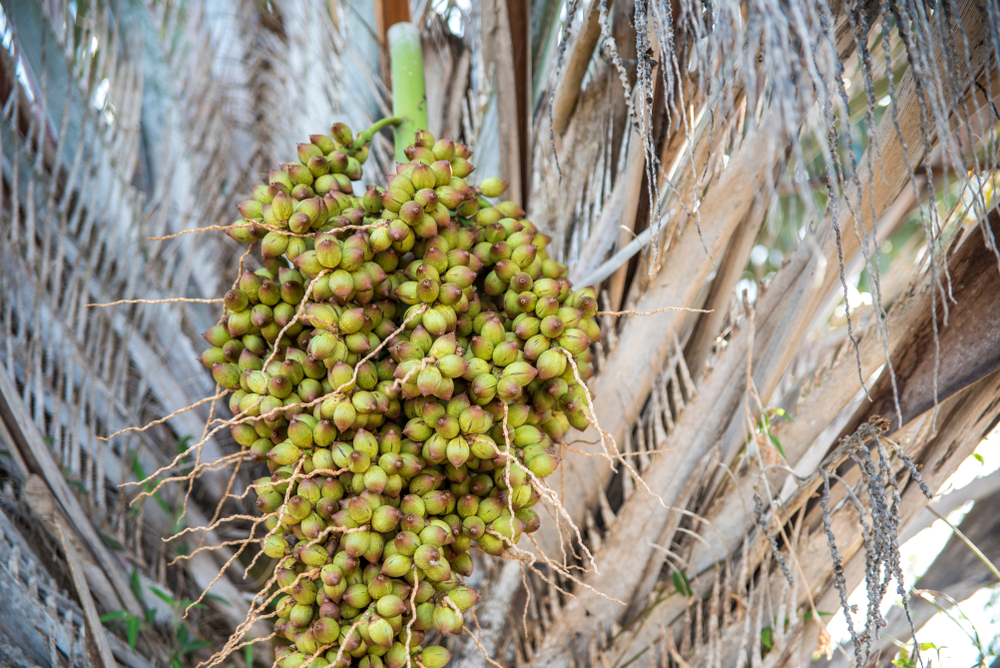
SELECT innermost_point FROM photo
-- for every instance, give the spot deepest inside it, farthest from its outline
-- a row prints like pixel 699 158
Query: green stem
pixel 409 92
pixel 366 136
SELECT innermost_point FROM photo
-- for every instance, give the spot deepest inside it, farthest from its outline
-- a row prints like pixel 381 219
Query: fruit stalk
pixel 409 93
pixel 366 136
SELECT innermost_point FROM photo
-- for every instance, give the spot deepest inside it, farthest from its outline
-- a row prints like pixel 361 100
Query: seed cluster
pixel 408 362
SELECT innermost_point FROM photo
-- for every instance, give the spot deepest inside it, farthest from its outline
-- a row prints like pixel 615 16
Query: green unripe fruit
pixel 355 544
pixel 308 489
pixel 406 543
pixel 411 213
pixel 575 341
pixel 508 527
pixel 543 464
pixel 275 546
pixel 425 591
pixel 507 479
pixel 529 517
pixel 527 435
pixel 331 575
pixel 435 323
pixel 522 372
pixel 428 380
pixel 328 252
pixel 279 386
pixel 397 565
pixel 524 256
pixel 463 597
pixel 390 606
pixel 364 441
pixel 274 244
pixel 427 290
pixel 435 656
pixel 473 527
pixel 344 416
pixel 379 585
pixel 490 509
pixel 493 186
pixel 326 508
pixel 443 172
pixel 510 210
pixel 493 330
pixel 375 545
pixel 570 316
pixel 461 168
pixel 509 389
pixel 213 356
pixel 280 179
pixel 225 374
pixel 467 506
pixel 444 149
pixel 326 631
pixel 417 430
pixel 520 496
pixel 426 557
pixel 304 591
pixel 550 364
pixel 546 305
pixel 425 615
pixel 357 596
pixel 243 433
pixel 284 453
pixel 447 620
pixel 332 489
pixel 297 509
pixel 435 450
pixel 300 430
pixel 282 205
pixel 359 463
pixel 491 544
pixel 269 293
pixel 505 353
pixel 305 642
pixel 393 199
pixel 301 615
pixel 269 502
pixel 483 447
pixel 359 510
pixel 307 151
pixel 375 480
pixel 482 348
pixel 535 346
pixel 578 420
pixel 435 534
pixel 458 451
pixel 436 502
pixel 396 656
pixel 385 519
pixel 552 326
pixel 236 300
pixel 323 345
pixel 438 573
pixel 423 176
pixel 341 134
pixel 474 420
pixel 484 387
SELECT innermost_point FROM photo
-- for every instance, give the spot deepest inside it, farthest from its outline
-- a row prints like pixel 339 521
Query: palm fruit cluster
pixel 386 469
